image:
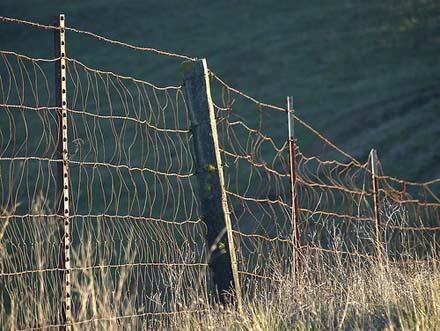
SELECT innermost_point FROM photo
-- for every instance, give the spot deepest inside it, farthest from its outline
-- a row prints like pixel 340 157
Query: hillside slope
pixel 365 74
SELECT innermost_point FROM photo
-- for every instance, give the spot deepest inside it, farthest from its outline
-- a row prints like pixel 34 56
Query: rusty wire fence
pixel 117 178
pixel 334 208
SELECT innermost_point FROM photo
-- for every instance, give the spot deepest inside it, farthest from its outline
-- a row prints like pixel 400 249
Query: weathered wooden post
pixel 214 204
pixel 376 198
pixel 63 168
pixel 294 203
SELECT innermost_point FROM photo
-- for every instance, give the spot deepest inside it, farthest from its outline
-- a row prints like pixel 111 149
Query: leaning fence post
pixel 63 168
pixel 294 203
pixel 214 204
pixel 376 198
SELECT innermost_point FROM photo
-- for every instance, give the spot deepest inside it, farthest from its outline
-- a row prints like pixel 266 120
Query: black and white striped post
pixel 63 169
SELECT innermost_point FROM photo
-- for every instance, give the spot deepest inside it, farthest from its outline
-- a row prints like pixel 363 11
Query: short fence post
pixel 214 204
pixel 376 198
pixel 294 203
pixel 63 168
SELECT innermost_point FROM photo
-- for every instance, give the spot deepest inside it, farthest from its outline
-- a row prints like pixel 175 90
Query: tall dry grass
pixel 333 293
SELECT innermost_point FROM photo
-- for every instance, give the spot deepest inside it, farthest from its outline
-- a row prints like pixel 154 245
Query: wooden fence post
pixel 376 198
pixel 63 168
pixel 294 203
pixel 214 204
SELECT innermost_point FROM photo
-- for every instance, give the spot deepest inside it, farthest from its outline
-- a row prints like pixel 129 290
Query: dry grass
pixel 333 294
pixel 328 298
pixel 362 298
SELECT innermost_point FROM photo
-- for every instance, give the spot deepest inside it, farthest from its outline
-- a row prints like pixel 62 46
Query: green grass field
pixel 367 75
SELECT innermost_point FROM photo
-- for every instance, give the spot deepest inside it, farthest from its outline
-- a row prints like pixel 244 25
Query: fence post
pixel 376 198
pixel 294 203
pixel 214 204
pixel 63 167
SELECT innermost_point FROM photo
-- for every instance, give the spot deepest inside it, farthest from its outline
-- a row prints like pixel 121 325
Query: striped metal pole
pixel 63 168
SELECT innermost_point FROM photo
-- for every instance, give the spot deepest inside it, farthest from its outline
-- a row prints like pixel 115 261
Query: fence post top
pixel 290 104
pixel 373 159
pixel 194 68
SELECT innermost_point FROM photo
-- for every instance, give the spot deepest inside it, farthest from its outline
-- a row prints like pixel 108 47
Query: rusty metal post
pixel 294 203
pixel 63 168
pixel 376 198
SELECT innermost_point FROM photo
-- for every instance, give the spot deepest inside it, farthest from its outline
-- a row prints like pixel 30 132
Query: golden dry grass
pixel 333 294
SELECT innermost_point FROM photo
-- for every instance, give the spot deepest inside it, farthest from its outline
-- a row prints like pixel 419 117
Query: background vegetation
pixel 365 73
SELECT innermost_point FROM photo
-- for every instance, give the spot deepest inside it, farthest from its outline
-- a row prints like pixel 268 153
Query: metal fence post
pixel 294 203
pixel 63 167
pixel 214 204
pixel 376 198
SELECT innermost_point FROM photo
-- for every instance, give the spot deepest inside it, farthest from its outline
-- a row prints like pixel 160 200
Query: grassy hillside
pixel 365 74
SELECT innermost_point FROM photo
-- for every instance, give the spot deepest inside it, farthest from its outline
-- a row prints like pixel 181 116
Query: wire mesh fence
pixel 134 217
pixel 335 196
pixel 134 212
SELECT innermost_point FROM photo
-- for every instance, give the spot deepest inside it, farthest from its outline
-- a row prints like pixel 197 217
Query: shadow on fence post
pixel 376 198
pixel 214 204
pixel 294 203
pixel 62 168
